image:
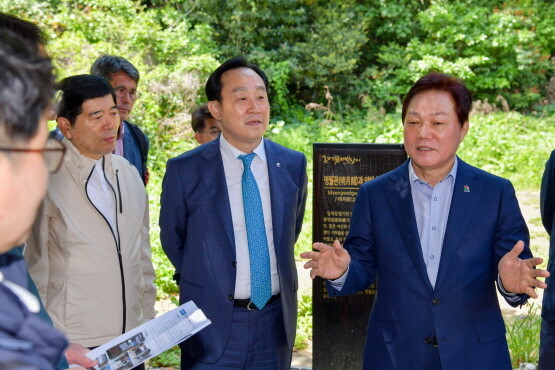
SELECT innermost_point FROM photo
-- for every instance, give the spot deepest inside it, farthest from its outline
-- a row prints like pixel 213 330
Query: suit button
pixel 428 340
pixel 435 302
pixel 230 297
pixel 234 263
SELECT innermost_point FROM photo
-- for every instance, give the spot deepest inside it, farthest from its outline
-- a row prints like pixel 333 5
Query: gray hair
pixel 106 65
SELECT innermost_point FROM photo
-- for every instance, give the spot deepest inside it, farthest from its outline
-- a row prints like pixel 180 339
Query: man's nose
pixel 111 122
pixel 254 106
pixel 423 131
pixel 124 99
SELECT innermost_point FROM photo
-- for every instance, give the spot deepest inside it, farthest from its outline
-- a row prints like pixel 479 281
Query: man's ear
pixel 215 109
pixel 197 137
pixel 464 130
pixel 65 126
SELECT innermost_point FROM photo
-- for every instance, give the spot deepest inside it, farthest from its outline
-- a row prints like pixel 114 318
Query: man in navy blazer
pixel 547 209
pixel 203 229
pixel 435 234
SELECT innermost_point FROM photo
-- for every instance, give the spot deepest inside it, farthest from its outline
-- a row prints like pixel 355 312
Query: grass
pixel 523 336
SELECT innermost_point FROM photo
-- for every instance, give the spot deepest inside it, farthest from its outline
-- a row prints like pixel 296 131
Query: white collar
pixel 230 153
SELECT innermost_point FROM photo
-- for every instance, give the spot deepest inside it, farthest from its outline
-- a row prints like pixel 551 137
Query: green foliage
pixel 523 336
pixel 378 49
pixel 510 145
pixel 304 322
pixel 166 286
pixel 170 358
pixel 173 56
pixel 366 52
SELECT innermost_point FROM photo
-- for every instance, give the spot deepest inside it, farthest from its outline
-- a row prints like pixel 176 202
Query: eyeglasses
pixel 122 91
pixel 53 154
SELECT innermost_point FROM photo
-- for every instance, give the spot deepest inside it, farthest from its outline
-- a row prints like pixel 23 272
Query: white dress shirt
pixel 233 169
pixel 101 196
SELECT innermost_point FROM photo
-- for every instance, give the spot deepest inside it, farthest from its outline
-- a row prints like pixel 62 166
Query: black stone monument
pixel 340 323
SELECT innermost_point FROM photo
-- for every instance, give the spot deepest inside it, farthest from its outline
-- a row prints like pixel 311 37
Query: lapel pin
pixel 278 164
pixel 467 189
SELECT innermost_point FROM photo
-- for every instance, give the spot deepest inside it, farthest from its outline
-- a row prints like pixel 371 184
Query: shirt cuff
pixel 513 297
pixel 337 284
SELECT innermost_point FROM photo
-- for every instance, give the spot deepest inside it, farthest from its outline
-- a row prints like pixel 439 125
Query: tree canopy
pixel 356 55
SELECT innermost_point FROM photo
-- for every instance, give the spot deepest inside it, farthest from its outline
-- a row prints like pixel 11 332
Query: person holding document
pixel 89 252
pixel 437 235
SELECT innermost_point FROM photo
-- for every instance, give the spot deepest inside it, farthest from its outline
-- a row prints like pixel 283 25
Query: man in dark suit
pixel 547 208
pixel 436 234
pixel 132 143
pixel 231 211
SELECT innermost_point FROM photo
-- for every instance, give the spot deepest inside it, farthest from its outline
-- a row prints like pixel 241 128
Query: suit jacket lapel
pixel 461 211
pixel 213 175
pixel 399 197
pixel 277 189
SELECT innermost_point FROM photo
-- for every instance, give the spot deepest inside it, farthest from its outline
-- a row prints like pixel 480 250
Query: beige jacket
pixel 73 253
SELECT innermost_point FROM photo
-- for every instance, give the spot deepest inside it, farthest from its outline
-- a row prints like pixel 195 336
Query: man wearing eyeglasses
pixel 25 94
pixel 131 143
pixel 206 127
pixel 24 60
pixel 89 252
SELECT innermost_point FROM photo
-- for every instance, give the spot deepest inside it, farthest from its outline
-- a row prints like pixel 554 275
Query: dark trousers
pixel 547 346
pixel 257 341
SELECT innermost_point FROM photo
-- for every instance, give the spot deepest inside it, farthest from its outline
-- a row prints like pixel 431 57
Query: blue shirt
pixel 431 208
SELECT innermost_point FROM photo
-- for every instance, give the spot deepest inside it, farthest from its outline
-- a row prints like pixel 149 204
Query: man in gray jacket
pixel 89 252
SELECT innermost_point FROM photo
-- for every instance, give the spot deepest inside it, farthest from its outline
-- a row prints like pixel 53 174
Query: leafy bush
pixel 366 52
pixel 170 358
pixel 378 49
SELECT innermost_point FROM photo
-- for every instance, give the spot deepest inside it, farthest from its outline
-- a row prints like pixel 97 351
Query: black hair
pixel 27 30
pixel 462 97
pixel 214 85
pixel 26 87
pixel 106 65
pixel 199 116
pixel 75 90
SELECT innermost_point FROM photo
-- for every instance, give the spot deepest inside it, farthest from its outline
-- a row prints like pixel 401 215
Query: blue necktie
pixel 261 280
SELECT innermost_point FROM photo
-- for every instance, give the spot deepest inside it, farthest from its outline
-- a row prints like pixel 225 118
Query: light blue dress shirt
pixel 431 208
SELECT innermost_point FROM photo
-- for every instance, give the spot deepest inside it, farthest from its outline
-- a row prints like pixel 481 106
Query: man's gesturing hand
pixel 519 276
pixel 327 262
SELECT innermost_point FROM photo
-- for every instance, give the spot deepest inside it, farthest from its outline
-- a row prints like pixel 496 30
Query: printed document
pixel 150 339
